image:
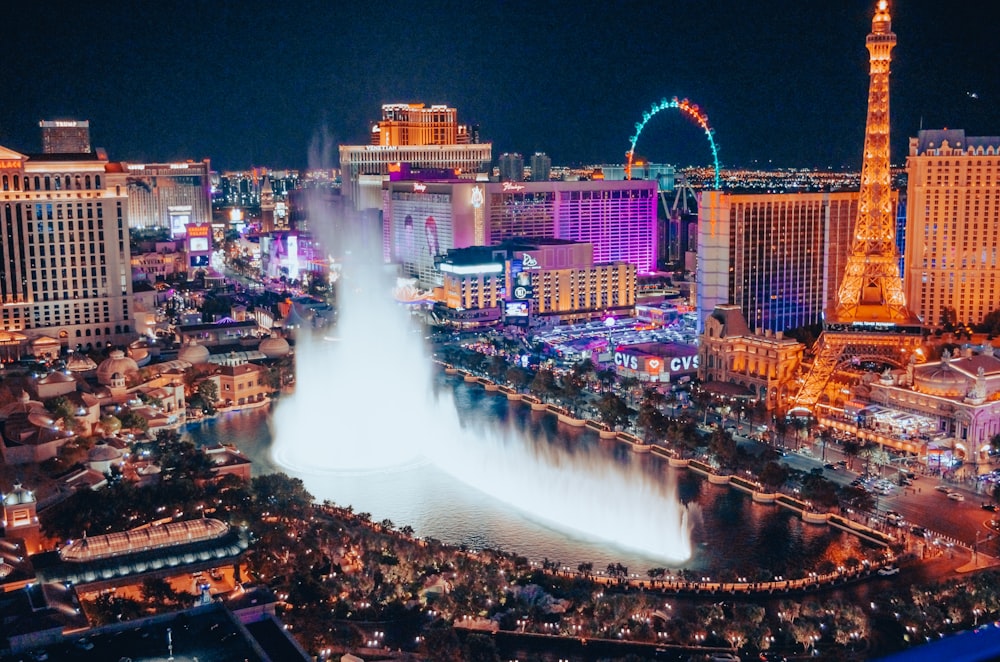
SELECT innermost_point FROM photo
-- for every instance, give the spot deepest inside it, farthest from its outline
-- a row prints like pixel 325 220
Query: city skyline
pixel 249 85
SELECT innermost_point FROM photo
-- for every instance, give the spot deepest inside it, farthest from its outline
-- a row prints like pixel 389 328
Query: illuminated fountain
pixel 365 405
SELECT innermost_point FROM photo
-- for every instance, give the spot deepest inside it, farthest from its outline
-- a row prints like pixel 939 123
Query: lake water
pixel 729 533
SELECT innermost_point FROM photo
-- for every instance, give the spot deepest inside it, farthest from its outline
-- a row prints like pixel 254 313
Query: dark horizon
pixel 254 84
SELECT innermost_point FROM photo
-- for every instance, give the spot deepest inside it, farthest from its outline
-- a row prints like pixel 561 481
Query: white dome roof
pixel 116 363
pixel 274 348
pixel 193 353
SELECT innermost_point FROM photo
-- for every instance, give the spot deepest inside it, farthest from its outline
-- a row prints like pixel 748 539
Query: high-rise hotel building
pixel 65 136
pixel 168 195
pixel 64 250
pixel 414 135
pixel 780 257
pixel 952 225
pixel 423 220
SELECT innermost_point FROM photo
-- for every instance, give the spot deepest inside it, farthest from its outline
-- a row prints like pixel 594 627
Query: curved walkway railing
pixel 757 491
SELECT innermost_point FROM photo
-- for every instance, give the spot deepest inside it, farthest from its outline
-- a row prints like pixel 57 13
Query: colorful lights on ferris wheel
pixel 687 108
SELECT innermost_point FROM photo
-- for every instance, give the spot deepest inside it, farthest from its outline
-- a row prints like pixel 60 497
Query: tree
pixel 722 445
pixel 990 324
pixel 606 377
pixel 518 377
pixel 825 437
pixel 780 430
pixel 209 390
pixel 133 421
pixel 111 424
pixel 612 411
pixel 628 385
pixel 773 475
pixel 62 410
pixel 544 384
pixel 949 318
pixel 851 449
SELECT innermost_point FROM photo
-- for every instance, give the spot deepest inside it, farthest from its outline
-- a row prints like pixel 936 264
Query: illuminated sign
pixel 466 269
pixel 136 166
pixel 235 215
pixel 419 188
pixel 197 230
pixel 395 167
pixel 522 292
pixel 477 197
pixel 198 244
pixel 529 262
pixel 178 166
pixel 516 309
pixel 684 363
pixel 511 186
pixel 10 163
pixel 653 365
pixel 626 360
pixel 65 125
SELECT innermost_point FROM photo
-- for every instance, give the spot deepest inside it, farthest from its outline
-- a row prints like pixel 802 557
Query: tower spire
pixel 872 289
pixel 869 321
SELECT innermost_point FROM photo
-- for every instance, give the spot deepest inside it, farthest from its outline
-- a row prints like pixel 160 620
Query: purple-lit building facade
pixel 422 220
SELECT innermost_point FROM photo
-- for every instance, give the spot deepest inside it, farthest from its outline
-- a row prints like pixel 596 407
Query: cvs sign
pixel 626 360
pixel 684 363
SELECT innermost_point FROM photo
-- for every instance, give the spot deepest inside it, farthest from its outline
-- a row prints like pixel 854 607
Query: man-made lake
pixel 725 533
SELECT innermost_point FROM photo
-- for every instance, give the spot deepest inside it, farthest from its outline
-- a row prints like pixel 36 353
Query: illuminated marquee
pixel 653 365
pixel 466 269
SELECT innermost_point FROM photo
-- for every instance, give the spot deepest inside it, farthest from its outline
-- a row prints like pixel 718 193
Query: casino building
pixel 412 134
pixel 780 257
pixel 167 195
pixel 952 226
pixel 65 269
pixel 423 220
pixel 656 362
pixel 531 280
pixel 735 362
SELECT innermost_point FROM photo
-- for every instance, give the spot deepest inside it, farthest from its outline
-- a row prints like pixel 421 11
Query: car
pixel 943 488
pixel 989 506
pixel 831 467
pixel 842 463
pixel 918 530
pixel 888 571
pixel 84 644
pixel 955 496
pixel 724 657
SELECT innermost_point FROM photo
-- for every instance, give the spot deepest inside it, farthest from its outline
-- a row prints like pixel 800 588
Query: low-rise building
pixel 764 365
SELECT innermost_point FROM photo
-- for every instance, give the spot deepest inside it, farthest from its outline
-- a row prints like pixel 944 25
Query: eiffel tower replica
pixel 869 320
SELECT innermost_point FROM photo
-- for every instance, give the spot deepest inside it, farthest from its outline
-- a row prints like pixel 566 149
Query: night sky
pixel 257 83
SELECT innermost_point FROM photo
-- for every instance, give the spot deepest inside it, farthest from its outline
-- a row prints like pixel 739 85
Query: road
pixel 919 504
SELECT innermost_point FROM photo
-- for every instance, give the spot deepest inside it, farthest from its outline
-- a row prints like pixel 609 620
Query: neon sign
pixel 529 262
pixel 510 186
pixel 419 188
pixel 477 197
pixel 10 163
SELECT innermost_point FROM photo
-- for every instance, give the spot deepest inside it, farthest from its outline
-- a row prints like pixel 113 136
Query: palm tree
pixel 606 378
pixel 628 385
pixel 825 437
pixel 851 449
